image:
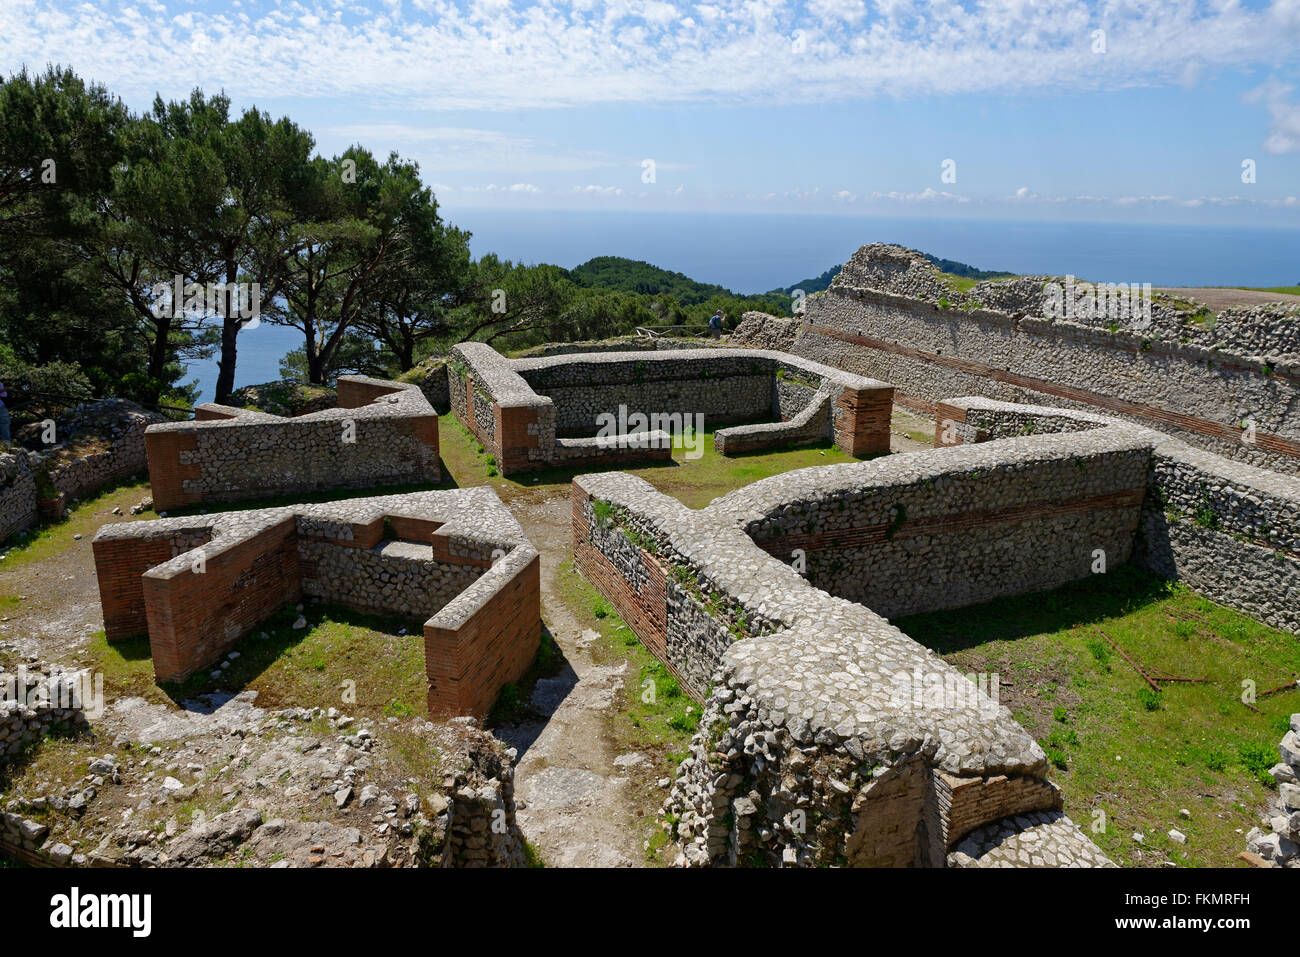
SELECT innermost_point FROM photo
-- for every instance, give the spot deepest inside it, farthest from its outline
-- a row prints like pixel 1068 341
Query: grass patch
pixel 340 655
pixel 1116 745
pixel 693 481
pixel 83 518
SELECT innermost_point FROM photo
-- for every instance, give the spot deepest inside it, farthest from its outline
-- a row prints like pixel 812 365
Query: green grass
pixel 83 518
pixel 305 668
pixel 694 482
pixel 957 283
pixel 1115 745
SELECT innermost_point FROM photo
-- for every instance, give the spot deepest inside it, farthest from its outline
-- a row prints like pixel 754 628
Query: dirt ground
pixel 1216 298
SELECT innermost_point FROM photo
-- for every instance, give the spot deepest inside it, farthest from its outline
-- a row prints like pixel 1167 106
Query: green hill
pixel 635 276
pixel 810 286
pixel 955 268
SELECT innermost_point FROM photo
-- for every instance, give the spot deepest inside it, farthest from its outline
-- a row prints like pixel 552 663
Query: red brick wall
pixel 353 394
pixel 194 619
pixel 888 821
pixel 166 474
pixel 119 563
pixel 414 529
pixel 206 413
pixel 945 413
pixel 425 430
pixel 646 611
pixel 467 666
pixel 514 441
pixel 964 804
pixel 862 420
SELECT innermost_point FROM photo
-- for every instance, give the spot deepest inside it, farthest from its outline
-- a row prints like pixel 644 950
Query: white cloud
pixel 1284 133
pixel 443 148
pixel 436 54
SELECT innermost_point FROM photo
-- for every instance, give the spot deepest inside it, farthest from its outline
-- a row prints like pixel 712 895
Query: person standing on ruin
pixel 4 414
pixel 715 324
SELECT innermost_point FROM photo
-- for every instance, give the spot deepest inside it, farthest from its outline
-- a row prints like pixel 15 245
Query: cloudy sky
pixel 1130 110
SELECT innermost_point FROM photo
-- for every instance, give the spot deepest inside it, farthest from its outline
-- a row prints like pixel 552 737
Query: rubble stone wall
pixel 381 433
pixel 79 465
pixel 813 747
pixel 17 493
pixel 904 326
pixel 1231 531
pixel 556 410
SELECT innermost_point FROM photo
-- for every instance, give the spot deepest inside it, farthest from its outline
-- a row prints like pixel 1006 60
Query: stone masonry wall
pixel 543 412
pixel 34 701
pixel 932 342
pixel 812 749
pixel 17 493
pixel 725 389
pixel 394 577
pixel 114 452
pixel 927 531
pixel 1231 531
pixel 382 433
pixel 456 558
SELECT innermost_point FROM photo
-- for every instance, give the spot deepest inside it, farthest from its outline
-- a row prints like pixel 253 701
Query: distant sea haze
pixel 750 253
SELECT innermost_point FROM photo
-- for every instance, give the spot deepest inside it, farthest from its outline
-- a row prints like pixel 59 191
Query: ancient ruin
pixel 198 585
pixel 380 433
pixel 769 602
pixel 574 409
pixel 1224 382
pixel 1063 449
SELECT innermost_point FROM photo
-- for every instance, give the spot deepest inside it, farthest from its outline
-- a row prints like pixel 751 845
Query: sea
pixel 751 252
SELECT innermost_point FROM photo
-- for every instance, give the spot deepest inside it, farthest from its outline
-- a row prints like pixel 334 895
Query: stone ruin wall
pixel 36 701
pixel 543 412
pixel 1229 530
pixel 890 316
pixel 799 713
pixel 805 754
pixel 456 558
pixel 228 454
pixel 920 533
pixel 73 473
pixel 725 389
pixel 17 493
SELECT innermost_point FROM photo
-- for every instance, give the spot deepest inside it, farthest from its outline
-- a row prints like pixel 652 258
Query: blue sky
pixel 829 106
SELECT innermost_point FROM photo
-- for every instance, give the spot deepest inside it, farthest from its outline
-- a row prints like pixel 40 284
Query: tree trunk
pixel 406 352
pixel 230 326
pixel 158 356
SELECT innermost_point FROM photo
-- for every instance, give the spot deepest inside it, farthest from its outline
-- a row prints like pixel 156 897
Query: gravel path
pixel 573 802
